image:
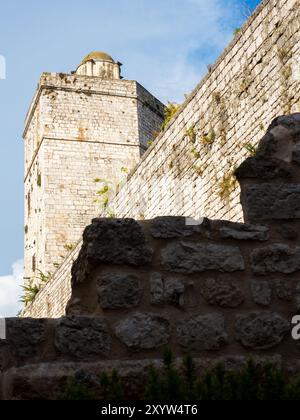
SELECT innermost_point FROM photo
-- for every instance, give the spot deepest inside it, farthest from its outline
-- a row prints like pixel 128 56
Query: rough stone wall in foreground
pixel 222 291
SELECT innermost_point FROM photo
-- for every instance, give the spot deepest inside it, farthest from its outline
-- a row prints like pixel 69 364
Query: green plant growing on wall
pixel 236 31
pixel 103 196
pixel 208 139
pixel 227 185
pixel 191 134
pixel 216 97
pixel 170 111
pixel 26 229
pixel 287 72
pixel 198 169
pixel 284 55
pixel 30 291
pixel 42 277
pixel 39 180
pixel 195 153
pixel 250 148
pixel 32 288
pixel 69 247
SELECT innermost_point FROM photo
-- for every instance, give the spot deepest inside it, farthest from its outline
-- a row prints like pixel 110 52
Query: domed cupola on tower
pixel 99 64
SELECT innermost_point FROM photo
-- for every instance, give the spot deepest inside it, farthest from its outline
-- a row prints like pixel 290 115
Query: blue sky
pixel 164 44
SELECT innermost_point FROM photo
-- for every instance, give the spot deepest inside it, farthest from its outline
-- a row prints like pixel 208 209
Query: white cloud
pixel 10 291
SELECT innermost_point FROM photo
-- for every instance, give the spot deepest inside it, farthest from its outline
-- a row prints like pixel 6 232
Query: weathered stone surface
pixel 202 332
pixel 244 232
pixel 169 290
pixel 117 291
pixel 296 155
pixel 143 331
pixel 75 307
pixel 287 231
pixel 24 336
pixel 267 147
pixel 188 257
pixel 174 291
pixel 276 258
pixel 290 122
pixel 82 337
pixel 297 297
pixel 116 241
pixel 223 293
pixel 175 227
pixel 282 132
pixel 261 168
pixel 283 290
pixel 261 330
pixel 156 288
pixel 269 201
pixel 261 292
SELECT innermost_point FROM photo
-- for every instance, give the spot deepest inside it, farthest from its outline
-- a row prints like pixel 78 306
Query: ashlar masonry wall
pixel 77 130
pixel 188 171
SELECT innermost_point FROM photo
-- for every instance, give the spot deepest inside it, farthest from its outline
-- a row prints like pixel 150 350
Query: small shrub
pixel 195 153
pixel 251 383
pixel 227 185
pixel 208 138
pixel 112 388
pixel 284 55
pixel 69 247
pixel 216 97
pixel 170 111
pixel 250 148
pixel 75 391
pixel 30 291
pixel 191 134
pixel 287 72
pixel 39 180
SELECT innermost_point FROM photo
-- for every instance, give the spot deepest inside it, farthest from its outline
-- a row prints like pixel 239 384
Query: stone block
pixel 278 258
pixel 272 202
pixel 261 292
pixel 82 337
pixel 261 330
pixel 143 331
pixel 223 293
pixel 117 291
pixel 202 332
pixel 188 257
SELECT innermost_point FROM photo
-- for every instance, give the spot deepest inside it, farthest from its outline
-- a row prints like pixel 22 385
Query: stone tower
pixel 80 127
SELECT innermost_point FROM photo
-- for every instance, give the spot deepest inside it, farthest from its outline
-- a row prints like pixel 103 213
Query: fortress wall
pixel 78 129
pixel 188 169
pixel 256 79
